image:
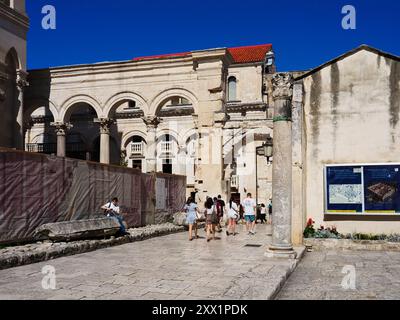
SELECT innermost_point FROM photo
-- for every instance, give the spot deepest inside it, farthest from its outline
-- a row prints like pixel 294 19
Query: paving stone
pixel 168 267
pixel 373 280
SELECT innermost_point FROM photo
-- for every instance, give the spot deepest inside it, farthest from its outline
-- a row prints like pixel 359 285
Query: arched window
pixel 175 106
pixel 232 84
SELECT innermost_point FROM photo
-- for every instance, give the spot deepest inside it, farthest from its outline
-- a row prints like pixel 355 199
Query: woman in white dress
pixel 233 216
pixel 191 219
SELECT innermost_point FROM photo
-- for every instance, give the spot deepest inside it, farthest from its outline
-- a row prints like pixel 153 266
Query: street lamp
pixel 268 148
pixel 265 150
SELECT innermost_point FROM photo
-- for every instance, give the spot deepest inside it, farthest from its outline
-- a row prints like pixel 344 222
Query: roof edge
pixel 348 54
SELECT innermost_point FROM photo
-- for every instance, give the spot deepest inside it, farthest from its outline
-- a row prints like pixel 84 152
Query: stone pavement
pixel 168 267
pixel 319 276
pixel 47 250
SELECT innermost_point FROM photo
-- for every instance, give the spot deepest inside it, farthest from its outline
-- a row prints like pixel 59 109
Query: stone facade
pixel 347 112
pixel 182 114
pixel 13 29
pixel 204 114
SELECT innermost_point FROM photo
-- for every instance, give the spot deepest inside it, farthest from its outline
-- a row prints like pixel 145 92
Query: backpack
pixel 219 208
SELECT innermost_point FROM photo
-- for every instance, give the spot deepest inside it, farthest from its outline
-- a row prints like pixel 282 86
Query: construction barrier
pixel 36 189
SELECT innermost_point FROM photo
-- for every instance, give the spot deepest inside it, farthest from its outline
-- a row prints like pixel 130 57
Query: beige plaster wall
pixel 351 115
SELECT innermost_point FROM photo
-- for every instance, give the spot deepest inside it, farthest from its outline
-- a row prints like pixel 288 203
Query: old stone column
pixel 19 134
pixel 61 131
pixel 105 124
pixel 298 149
pixel 151 159
pixel 282 168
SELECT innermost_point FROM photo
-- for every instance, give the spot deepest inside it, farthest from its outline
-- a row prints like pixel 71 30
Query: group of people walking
pixel 214 212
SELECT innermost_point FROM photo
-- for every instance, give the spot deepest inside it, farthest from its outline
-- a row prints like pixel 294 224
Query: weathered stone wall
pixel 13 29
pixel 351 115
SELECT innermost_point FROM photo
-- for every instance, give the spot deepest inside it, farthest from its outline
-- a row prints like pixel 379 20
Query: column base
pixel 281 252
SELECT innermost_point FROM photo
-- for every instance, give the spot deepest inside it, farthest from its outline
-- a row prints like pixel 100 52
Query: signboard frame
pixel 364 212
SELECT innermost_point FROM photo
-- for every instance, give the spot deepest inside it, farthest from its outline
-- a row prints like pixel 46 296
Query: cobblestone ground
pixel 168 267
pixel 319 276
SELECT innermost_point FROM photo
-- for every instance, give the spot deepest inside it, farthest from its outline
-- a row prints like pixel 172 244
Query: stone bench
pixel 77 230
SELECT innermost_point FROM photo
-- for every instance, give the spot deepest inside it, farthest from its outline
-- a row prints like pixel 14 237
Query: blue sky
pixel 304 33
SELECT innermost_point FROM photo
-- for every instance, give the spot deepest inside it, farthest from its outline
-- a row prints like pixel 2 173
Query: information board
pixel 363 189
pixel 344 189
pixel 381 188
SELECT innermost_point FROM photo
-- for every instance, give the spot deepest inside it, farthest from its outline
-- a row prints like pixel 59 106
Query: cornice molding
pixel 14 16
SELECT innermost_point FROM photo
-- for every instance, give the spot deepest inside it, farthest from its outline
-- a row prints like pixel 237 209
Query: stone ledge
pixel 356 245
pixel 43 251
pixel 276 289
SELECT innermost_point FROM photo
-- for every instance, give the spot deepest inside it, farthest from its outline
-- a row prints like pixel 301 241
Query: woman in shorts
pixel 211 218
pixel 191 219
pixel 233 216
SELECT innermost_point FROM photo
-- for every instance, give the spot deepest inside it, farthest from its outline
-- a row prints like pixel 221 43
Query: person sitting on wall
pixel 112 210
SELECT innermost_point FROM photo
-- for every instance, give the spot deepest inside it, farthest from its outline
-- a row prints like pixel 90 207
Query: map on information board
pixel 345 194
pixel 344 189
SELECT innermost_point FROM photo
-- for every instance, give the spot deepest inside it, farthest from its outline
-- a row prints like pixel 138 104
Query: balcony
pixel 167 149
pixel 47 148
pixel 235 182
pixel 137 150
pixel 51 148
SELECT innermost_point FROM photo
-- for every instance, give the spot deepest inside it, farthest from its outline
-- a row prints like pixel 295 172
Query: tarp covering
pixel 38 189
pixel 170 193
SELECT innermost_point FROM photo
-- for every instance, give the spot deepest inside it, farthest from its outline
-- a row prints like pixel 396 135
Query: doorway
pixel 167 166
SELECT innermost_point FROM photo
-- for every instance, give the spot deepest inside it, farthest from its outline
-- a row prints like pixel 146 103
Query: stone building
pixel 14 26
pixel 202 114
pixel 346 144
pixel 207 115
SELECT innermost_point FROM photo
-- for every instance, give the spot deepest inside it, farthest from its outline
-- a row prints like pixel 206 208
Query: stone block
pixel 75 230
pixel 180 219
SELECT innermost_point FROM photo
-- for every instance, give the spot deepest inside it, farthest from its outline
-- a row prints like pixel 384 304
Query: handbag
pixel 200 216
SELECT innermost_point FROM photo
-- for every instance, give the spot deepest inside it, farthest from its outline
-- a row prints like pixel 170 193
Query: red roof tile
pixel 250 53
pixel 245 54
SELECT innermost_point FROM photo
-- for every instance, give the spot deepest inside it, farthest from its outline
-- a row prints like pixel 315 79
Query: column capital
pixel 182 148
pixel 61 128
pixel 22 79
pixel 105 124
pixel 151 122
pixel 282 84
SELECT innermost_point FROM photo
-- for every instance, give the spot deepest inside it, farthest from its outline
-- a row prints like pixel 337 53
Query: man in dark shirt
pixel 221 210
